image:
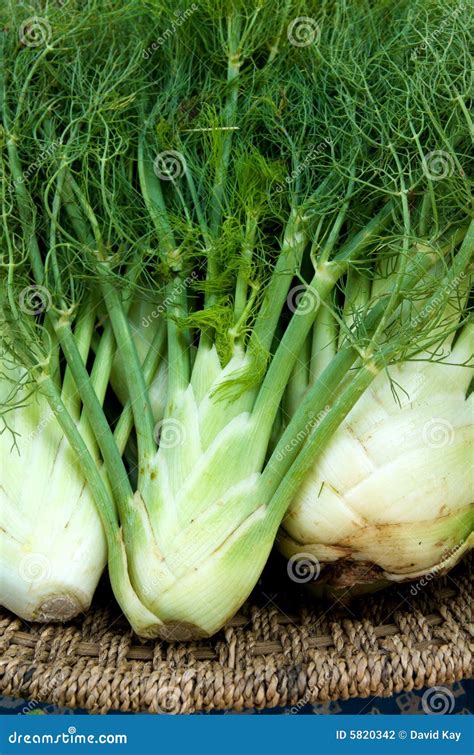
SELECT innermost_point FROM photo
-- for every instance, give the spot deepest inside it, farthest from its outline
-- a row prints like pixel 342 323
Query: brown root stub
pixel 59 608
pixel 181 631
pixel 347 573
pixel 347 579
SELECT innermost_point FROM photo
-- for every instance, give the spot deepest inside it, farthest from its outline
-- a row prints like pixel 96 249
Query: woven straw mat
pixel 282 649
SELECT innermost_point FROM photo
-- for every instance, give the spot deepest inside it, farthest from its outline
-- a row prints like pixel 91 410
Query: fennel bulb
pixel 390 497
pixel 209 530
pixel 250 232
pixel 52 545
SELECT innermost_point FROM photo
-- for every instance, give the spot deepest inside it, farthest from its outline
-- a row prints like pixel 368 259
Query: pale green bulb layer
pixel 394 487
pixel 52 546
pixel 198 559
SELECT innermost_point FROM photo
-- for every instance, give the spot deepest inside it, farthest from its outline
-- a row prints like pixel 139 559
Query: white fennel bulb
pixel 52 546
pixel 205 509
pixel 390 497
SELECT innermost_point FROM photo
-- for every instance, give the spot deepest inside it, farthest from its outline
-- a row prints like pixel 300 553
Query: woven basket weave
pixel 272 654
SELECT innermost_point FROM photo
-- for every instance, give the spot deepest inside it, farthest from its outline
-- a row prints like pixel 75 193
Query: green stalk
pixel 229 114
pixel 322 284
pixel 150 366
pixel 105 353
pixel 333 237
pixel 136 385
pixel 275 48
pixel 134 376
pixel 83 335
pixel 324 343
pixel 404 255
pixel 241 286
pixel 84 329
pixel 356 296
pixel 298 380
pixel 289 260
pixel 115 468
pixel 140 618
pixel 178 342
